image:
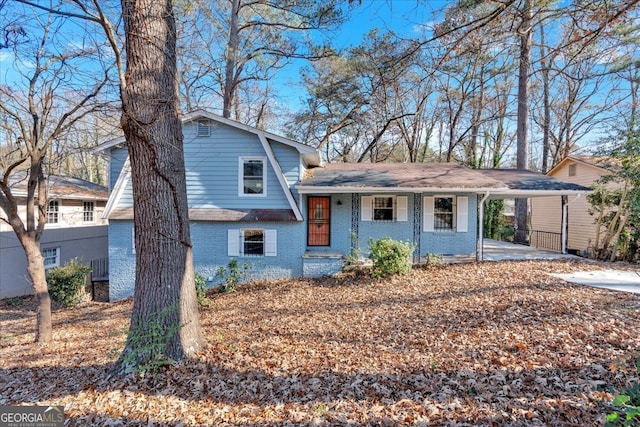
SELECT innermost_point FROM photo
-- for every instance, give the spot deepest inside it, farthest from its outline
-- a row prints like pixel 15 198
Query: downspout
pixel 480 245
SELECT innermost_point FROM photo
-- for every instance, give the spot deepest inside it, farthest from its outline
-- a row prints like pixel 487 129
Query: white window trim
pixel 454 213
pixel 241 161
pixel 400 208
pixel 235 243
pixel 93 212
pixel 57 261
pixel 58 223
pixel 460 214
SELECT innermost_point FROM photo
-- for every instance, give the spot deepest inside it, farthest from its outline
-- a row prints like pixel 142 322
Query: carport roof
pixel 527 183
pixel 431 177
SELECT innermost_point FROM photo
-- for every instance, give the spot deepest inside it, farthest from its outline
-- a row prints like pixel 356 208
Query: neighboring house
pixel 268 202
pixel 580 225
pixel 75 229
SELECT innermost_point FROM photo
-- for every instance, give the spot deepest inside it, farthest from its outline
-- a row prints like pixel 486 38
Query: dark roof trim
pixel 222 215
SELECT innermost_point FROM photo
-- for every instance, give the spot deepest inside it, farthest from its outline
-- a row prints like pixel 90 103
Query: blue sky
pixel 400 16
pixel 404 17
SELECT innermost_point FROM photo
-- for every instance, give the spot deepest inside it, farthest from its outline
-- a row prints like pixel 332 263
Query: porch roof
pixel 431 177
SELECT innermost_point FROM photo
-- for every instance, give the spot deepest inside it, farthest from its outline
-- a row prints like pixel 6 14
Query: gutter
pixel 495 192
pixel 311 189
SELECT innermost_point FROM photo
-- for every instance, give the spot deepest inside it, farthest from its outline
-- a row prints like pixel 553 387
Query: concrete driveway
pixel 494 250
pixel 617 280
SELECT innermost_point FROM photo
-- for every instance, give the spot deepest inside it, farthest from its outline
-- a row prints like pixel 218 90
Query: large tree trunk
pixel 546 124
pixel 229 89
pixel 29 238
pixel 36 272
pixel 164 265
pixel 522 156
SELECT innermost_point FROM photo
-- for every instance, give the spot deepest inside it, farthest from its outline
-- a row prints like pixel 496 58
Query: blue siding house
pixel 271 203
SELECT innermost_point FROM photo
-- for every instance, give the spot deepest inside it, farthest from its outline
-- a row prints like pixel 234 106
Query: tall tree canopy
pixel 233 49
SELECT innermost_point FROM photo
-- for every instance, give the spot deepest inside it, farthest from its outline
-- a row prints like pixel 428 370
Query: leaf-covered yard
pixel 470 344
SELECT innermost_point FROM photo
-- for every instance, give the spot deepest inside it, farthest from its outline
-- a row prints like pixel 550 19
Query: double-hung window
pixel 252 242
pixel 384 208
pixel 446 214
pixel 252 174
pixel 444 210
pixel 51 257
pixel 53 212
pixel 88 209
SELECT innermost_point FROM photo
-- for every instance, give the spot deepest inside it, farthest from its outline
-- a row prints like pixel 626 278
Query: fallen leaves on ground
pixel 469 344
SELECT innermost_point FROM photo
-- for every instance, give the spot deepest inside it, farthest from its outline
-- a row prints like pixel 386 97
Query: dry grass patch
pixel 474 344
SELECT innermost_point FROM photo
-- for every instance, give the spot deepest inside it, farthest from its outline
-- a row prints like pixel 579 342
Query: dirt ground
pixel 500 343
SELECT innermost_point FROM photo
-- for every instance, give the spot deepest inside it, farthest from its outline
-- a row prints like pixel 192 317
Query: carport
pixel 524 184
pixel 494 250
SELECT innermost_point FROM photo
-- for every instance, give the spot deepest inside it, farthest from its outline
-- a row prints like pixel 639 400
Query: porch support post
pixel 480 241
pixel 565 224
pixel 355 219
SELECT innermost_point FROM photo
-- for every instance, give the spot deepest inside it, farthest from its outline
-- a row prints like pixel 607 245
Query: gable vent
pixel 204 128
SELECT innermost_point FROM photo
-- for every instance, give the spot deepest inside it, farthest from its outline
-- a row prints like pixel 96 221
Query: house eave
pixel 525 194
pixel 494 193
pixel 55 196
pixel 354 189
pixel 98 149
pixel 221 215
pixel 310 154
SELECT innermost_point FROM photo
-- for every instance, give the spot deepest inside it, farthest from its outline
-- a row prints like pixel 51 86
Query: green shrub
pixel 352 260
pixel 67 282
pixel 150 338
pixel 433 259
pixel 390 257
pixel 627 404
pixel 232 275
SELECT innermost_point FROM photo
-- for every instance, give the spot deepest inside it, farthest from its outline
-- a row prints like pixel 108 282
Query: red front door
pixel 319 221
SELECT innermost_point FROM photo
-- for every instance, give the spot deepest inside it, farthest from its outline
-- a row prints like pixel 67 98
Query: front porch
pixel 321 263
